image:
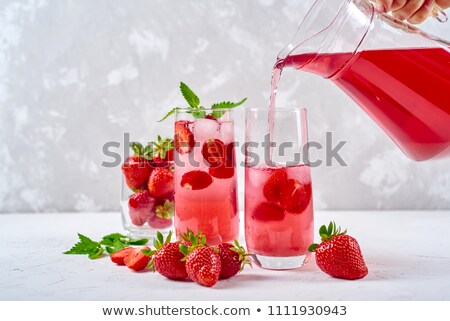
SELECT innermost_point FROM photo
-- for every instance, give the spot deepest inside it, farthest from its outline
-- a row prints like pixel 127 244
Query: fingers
pixel 408 9
pixel 444 4
pixel 422 13
pixel 398 4
pixel 384 5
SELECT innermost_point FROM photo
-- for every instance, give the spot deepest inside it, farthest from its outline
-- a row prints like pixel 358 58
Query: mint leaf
pixel 86 246
pixel 198 113
pixel 170 113
pixel 190 97
pixel 224 105
pixel 138 242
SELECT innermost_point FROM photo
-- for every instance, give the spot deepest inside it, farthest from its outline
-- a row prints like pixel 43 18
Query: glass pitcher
pixel 398 74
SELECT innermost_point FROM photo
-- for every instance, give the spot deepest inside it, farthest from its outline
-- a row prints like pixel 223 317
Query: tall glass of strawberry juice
pixel 278 193
pixel 205 174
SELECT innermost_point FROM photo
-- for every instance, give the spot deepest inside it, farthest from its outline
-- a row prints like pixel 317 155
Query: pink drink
pixel 206 193
pixel 278 211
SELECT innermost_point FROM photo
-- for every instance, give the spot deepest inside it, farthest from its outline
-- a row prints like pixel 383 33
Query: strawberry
pixel 339 254
pixel 293 196
pixel 268 212
pixel 184 139
pixel 203 265
pixel 222 172
pixel 271 189
pixel 163 150
pixel 233 258
pixel 161 182
pixel 119 256
pixel 163 215
pixel 137 260
pixel 168 260
pixel 196 180
pixel 140 207
pixel 213 152
pixel 136 170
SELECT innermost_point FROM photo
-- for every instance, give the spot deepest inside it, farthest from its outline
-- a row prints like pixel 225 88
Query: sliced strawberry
pixel 210 117
pixel 140 206
pixel 196 180
pixel 223 171
pixel 136 170
pixel 272 186
pixel 293 196
pixel 213 151
pixel 184 139
pixel 119 256
pixel 268 212
pixel 137 260
pixel 161 182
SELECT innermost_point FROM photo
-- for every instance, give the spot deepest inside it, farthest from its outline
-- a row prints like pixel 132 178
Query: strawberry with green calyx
pixel 339 254
pixel 198 111
pixel 163 215
pixel 203 264
pixel 136 168
pixel 167 259
pixel 233 258
pixel 163 150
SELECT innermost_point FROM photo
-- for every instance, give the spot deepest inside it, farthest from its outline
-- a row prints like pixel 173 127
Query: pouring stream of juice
pixel 406 91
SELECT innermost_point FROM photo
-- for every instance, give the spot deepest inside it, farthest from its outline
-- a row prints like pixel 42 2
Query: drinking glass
pixel 278 193
pixel 205 174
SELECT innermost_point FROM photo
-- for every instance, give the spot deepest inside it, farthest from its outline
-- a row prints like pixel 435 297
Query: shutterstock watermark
pixel 255 153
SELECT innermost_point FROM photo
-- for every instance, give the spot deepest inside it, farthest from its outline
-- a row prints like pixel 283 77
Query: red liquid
pixel 406 91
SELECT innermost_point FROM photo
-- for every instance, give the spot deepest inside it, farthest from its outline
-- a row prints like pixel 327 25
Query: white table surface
pixel 407 252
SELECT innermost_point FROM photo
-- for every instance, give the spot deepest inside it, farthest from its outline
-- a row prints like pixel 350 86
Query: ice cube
pixel 206 129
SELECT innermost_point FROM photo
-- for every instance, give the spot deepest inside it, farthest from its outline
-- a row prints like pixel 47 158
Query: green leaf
pixel 198 113
pixel 224 105
pixel 323 230
pixel 170 113
pixel 312 247
pixel 148 252
pixel 190 97
pixel 138 242
pixel 86 246
pixel 330 228
pixel 137 148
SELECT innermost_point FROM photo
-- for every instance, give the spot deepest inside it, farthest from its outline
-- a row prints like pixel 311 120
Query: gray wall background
pixel 76 74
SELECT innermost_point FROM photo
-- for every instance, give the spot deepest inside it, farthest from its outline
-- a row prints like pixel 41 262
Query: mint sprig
pixel 86 246
pixel 196 109
pixel 111 243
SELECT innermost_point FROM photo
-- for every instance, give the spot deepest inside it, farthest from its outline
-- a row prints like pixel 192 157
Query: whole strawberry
pixel 168 260
pixel 203 263
pixel 233 259
pixel 141 205
pixel 136 168
pixel 161 182
pixel 339 254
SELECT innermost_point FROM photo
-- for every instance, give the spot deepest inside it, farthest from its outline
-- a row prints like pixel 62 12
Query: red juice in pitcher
pixel 406 91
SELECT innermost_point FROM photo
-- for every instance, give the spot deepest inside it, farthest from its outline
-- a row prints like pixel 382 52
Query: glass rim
pixel 189 110
pixel 277 109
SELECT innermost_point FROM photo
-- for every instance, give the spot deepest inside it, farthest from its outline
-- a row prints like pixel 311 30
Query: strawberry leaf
pixel 312 247
pixel 190 97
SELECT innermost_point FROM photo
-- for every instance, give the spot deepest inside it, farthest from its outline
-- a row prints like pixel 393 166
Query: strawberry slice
pixel 213 151
pixel 137 260
pixel 293 196
pixel 184 139
pixel 268 212
pixel 196 180
pixel 119 256
pixel 223 171
pixel 140 207
pixel 272 186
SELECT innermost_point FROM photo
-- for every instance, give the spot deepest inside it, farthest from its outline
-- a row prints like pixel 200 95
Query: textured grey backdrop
pixel 76 74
